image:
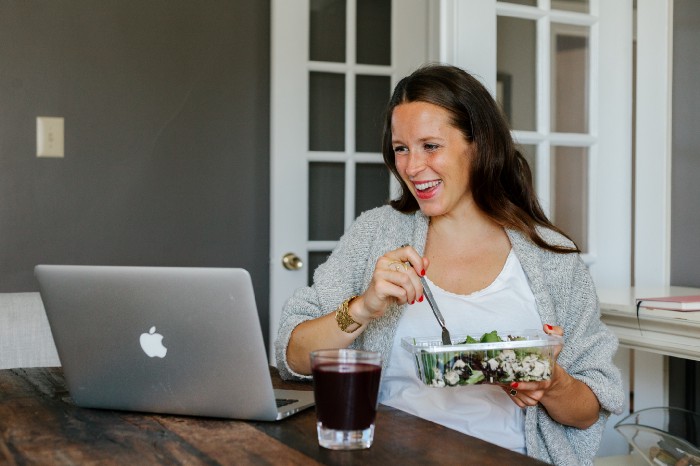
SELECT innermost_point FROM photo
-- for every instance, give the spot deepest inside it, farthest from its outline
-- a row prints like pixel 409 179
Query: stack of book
pixel 671 303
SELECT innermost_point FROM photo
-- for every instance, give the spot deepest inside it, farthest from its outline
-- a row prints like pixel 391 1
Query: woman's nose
pixel 415 165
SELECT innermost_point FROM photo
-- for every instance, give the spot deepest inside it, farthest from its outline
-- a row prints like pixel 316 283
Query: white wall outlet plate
pixel 49 136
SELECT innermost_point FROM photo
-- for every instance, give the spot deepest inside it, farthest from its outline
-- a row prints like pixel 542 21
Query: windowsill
pixel 671 333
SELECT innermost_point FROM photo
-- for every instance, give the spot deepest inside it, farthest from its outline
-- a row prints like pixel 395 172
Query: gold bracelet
pixel 343 318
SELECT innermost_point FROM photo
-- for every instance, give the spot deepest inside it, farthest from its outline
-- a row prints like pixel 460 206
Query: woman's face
pixel 432 157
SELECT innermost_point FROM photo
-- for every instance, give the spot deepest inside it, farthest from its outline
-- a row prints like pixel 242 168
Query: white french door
pixel 334 64
pixel 562 70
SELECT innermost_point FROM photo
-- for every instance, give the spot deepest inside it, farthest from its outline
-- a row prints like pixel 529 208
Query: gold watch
pixel 342 317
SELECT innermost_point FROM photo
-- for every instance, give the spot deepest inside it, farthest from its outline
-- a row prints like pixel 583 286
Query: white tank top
pixel 483 411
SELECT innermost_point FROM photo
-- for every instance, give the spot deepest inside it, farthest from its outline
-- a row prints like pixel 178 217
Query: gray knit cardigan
pixel 564 293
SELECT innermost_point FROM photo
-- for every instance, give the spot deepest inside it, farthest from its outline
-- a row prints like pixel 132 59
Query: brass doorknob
pixel 291 261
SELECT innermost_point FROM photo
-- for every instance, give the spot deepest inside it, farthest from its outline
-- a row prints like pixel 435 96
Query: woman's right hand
pixel 395 279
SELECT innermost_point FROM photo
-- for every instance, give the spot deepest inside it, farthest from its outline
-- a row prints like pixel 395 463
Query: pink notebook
pixel 671 303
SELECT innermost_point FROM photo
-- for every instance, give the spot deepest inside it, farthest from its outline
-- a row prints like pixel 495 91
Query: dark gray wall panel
pixel 166 107
pixel 685 188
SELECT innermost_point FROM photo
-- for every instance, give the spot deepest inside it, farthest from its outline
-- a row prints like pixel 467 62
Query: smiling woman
pixel 470 226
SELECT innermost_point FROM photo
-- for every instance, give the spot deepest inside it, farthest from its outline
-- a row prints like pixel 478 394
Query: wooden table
pixel 39 424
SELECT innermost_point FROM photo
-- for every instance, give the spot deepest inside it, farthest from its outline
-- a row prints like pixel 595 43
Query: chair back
pixel 25 335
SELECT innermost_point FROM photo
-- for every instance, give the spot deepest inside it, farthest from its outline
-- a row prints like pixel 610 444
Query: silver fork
pixel 446 339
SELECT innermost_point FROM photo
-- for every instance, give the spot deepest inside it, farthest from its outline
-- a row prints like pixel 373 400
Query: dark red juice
pixel 346 394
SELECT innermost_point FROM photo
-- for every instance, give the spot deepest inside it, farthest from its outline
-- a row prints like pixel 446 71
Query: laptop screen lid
pixel 162 339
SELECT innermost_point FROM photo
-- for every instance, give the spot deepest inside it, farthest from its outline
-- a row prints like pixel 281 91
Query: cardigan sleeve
pixel 337 279
pixel 587 356
pixel 591 344
pixel 566 296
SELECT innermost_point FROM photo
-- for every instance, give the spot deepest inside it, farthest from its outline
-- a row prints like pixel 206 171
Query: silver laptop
pixel 164 340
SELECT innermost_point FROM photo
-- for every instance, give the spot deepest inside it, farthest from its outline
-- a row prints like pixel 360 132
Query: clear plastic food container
pixel 520 356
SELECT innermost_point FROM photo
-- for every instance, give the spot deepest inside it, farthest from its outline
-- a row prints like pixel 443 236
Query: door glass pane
pixel 523 2
pixel 327 30
pixel 503 94
pixel 371 186
pixel 326 111
pixel 326 200
pixel 374 32
pixel 570 72
pixel 529 151
pixel 581 6
pixel 316 258
pixel 516 61
pixel 372 95
pixel 570 192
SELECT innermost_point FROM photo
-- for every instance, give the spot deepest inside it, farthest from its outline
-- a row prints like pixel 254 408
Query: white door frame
pixel 652 239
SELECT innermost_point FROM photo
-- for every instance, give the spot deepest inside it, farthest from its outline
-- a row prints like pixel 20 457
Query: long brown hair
pixel 500 178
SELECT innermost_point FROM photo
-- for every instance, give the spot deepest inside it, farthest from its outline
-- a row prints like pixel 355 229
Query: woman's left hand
pixel 531 393
pixel 566 399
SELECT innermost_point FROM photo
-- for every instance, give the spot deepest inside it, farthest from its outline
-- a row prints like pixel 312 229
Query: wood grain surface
pixel 39 424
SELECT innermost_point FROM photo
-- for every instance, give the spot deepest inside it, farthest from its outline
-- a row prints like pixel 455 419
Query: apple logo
pixel 152 343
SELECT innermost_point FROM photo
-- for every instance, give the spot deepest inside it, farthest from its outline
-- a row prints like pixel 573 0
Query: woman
pixel 493 260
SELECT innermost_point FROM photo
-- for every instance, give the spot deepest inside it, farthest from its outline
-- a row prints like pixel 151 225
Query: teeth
pixel 428 185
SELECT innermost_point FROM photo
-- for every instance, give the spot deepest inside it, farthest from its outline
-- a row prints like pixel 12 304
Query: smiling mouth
pixel 427 185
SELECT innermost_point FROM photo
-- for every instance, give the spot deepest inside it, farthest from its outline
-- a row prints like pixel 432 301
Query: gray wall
pixel 166 107
pixel 685 187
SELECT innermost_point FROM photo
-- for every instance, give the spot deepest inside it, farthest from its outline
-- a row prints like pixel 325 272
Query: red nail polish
pixel 420 300
pixel 422 273
pixel 413 302
pixel 514 384
pixel 549 327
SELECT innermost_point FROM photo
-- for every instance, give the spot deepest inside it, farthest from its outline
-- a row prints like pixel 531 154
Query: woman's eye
pixel 400 149
pixel 431 147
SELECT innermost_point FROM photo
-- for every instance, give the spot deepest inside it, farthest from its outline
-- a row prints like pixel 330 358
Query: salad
pixel 497 365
